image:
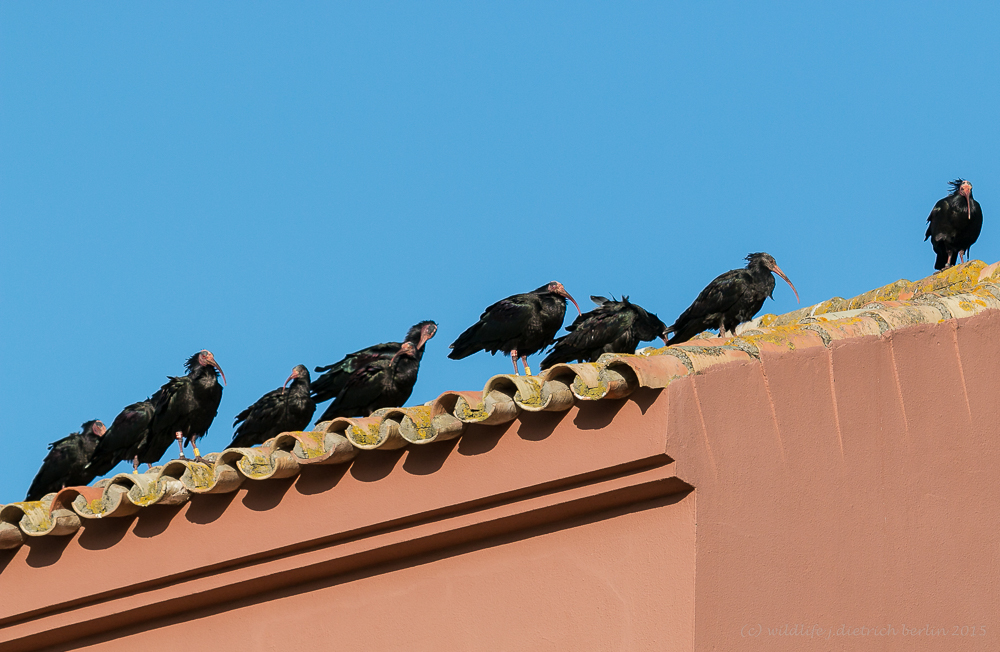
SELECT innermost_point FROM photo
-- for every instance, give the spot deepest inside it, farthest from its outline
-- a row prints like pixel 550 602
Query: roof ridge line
pixel 892 307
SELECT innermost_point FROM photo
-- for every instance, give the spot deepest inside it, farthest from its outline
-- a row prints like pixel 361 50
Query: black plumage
pixel 377 382
pixel 954 225
pixel 611 327
pixel 731 299
pixel 519 325
pixel 65 465
pixel 286 409
pixel 185 407
pixel 122 441
pixel 332 382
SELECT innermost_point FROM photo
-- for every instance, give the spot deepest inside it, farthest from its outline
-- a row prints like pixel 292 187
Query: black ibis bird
pixel 611 327
pixel 377 382
pixel 122 441
pixel 731 299
pixel 66 463
pixel 286 409
pixel 332 382
pixel 519 325
pixel 954 225
pixel 184 408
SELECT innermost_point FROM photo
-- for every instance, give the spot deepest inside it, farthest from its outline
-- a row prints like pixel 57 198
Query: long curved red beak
pixel 966 191
pixel 287 380
pixel 425 335
pixel 221 372
pixel 777 270
pixel 574 303
pixel 406 349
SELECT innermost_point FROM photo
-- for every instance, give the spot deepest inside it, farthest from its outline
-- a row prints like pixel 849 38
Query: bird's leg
pixel 513 358
pixel 948 264
pixel 197 453
pixel 135 464
pixel 961 256
pixel 524 361
pixel 179 437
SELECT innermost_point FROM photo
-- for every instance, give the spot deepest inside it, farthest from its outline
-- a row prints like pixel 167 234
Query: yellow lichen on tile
pixel 766 320
pixel 588 392
pixel 200 475
pixel 310 444
pixel 530 394
pixel 256 466
pixel 782 336
pixel 953 279
pixel 422 423
pixel 145 498
pixel 469 413
pixel 368 436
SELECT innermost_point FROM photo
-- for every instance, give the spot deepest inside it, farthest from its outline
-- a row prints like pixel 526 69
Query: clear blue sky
pixel 283 183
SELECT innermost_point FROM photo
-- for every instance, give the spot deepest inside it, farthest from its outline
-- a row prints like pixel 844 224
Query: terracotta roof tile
pixel 959 292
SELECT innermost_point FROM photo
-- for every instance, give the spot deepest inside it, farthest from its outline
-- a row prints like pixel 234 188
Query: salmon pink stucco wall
pixel 623 580
pixel 847 496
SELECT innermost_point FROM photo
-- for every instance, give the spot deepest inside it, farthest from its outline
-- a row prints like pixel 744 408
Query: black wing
pixel 258 419
pixel 975 227
pixel 712 303
pixel 56 466
pixel 499 323
pixel 171 407
pixel 361 389
pixel 331 383
pixel 123 439
pixel 938 215
pixel 176 399
pixel 591 332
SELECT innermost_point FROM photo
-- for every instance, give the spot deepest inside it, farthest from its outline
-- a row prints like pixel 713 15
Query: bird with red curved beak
pixel 374 377
pixel 65 465
pixel 298 371
pixel 286 409
pixel 377 382
pixel 730 299
pixel 966 191
pixel 954 225
pixel 335 376
pixel 520 325
pixel 406 348
pixel 184 408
